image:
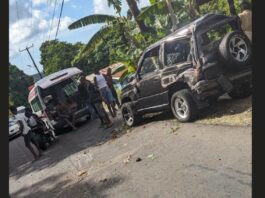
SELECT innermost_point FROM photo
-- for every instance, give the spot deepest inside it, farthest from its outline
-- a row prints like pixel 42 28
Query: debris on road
pixel 80 173
pixel 173 129
pixel 103 180
pixel 114 136
pixel 138 159
pixel 151 156
pixel 128 159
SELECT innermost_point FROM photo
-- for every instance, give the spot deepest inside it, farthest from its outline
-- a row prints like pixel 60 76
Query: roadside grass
pixel 228 111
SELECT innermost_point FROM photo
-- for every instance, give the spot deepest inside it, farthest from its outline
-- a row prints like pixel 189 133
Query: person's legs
pixel 36 143
pixel 111 101
pixel 108 100
pixel 103 114
pixel 28 145
pixel 98 114
pixel 114 93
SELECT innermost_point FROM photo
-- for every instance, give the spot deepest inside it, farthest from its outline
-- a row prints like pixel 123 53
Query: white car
pixel 13 128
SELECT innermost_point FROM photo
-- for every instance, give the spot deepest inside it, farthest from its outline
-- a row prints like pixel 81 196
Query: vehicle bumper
pixel 224 84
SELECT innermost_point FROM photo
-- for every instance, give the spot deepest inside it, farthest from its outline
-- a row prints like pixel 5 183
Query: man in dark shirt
pixel 95 100
pixel 85 97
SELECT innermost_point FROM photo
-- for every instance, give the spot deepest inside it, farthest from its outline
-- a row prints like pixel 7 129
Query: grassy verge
pixel 228 111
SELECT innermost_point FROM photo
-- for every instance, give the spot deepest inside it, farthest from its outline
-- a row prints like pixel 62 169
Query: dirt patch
pixel 228 111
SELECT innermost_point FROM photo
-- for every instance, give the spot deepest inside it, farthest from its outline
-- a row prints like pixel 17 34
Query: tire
pixel 234 55
pixel 128 116
pixel 244 91
pixel 189 111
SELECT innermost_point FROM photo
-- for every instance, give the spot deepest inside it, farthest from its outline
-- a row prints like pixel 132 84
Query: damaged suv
pixel 189 69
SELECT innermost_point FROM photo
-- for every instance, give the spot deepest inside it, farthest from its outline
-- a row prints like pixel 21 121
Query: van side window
pixel 176 52
pixel 36 105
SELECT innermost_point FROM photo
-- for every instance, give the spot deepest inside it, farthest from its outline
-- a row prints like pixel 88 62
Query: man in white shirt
pixel 26 132
pixel 102 86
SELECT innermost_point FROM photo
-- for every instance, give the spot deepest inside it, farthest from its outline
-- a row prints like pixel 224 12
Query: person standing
pixel 96 100
pixel 246 19
pixel 102 86
pixel 82 88
pixel 26 133
pixel 109 80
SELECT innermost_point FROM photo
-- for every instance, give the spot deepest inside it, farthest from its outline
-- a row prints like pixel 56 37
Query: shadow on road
pixel 61 187
pixel 88 135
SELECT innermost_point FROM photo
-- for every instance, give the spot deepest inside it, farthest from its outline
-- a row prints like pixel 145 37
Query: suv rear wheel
pixel 183 106
pixel 129 117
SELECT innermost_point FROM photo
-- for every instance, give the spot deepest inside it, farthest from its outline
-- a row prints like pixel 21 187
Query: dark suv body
pixel 189 69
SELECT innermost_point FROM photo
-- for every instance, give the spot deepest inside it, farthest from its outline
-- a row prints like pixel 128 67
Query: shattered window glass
pixel 176 52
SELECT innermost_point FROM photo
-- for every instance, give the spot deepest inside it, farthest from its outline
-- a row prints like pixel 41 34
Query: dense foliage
pixel 56 55
pixel 18 86
pixel 121 39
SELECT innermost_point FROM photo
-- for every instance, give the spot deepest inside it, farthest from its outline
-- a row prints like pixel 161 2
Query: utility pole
pixel 27 48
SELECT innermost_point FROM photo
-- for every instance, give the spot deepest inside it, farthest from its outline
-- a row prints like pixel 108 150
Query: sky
pixel 30 22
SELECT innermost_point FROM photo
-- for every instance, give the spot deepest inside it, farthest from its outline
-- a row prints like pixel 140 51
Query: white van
pixel 60 86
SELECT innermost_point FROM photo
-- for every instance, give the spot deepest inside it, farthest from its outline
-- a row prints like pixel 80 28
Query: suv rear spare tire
pixel 235 50
pixel 183 106
pixel 129 117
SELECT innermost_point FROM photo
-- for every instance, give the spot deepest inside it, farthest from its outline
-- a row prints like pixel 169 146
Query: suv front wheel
pixel 183 106
pixel 129 117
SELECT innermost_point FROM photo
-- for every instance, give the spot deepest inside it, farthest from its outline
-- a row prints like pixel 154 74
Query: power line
pixel 59 19
pixel 17 10
pixel 52 19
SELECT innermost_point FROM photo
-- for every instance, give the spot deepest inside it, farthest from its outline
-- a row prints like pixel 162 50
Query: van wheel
pixel 128 116
pixel 183 106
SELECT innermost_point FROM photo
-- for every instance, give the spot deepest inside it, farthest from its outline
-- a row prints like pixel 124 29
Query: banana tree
pixel 171 7
pixel 112 23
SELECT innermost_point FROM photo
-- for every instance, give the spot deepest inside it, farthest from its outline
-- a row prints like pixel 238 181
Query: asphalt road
pixel 176 160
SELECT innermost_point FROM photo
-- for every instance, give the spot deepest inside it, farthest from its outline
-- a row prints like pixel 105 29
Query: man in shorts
pixel 26 133
pixel 109 80
pixel 102 86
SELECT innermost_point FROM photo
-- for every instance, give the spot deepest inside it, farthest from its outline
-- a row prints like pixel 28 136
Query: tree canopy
pixel 18 86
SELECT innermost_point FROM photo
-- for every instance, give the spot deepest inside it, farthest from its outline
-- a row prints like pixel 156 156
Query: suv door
pixel 149 81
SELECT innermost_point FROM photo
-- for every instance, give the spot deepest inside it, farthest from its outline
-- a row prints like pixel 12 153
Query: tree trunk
pixel 232 7
pixel 172 15
pixel 135 12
